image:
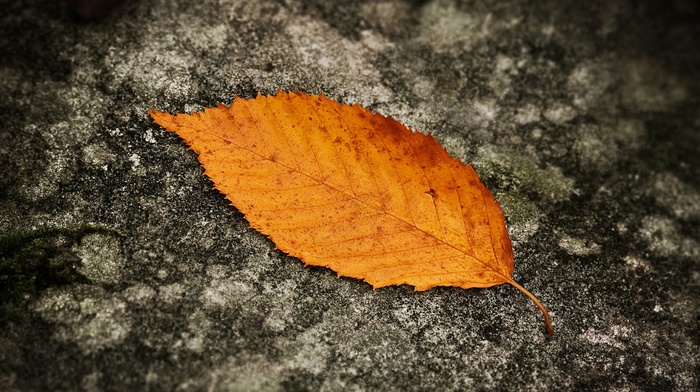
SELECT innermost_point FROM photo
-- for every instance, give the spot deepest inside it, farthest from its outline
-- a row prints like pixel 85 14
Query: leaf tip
pixel 154 113
pixel 161 118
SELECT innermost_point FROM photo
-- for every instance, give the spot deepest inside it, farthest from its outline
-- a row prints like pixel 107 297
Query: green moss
pixel 32 261
pixel 519 209
pixel 549 182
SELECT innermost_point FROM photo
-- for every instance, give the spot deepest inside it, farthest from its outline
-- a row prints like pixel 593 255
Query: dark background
pixel 122 269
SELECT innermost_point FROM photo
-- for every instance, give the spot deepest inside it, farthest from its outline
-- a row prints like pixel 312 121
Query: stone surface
pixel 582 118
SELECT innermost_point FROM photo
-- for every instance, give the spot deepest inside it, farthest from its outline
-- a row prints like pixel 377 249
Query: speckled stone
pixel 582 118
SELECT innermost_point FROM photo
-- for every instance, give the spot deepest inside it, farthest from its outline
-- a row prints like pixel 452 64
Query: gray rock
pixel 581 118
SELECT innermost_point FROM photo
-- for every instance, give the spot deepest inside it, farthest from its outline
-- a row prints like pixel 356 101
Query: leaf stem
pixel 547 322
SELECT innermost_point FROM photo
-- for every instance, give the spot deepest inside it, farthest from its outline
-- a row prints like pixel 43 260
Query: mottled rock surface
pixel 581 117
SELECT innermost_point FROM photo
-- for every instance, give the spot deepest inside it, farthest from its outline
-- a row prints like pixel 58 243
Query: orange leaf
pixel 340 187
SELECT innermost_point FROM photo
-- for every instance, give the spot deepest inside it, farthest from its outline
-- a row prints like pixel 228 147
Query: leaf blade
pixel 340 187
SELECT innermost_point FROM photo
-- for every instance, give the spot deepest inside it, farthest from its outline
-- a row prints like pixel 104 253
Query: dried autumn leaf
pixel 340 187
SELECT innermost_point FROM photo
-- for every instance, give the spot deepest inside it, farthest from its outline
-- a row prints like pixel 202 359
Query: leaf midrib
pixel 506 278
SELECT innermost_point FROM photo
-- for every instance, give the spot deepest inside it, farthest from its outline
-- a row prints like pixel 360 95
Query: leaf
pixel 340 187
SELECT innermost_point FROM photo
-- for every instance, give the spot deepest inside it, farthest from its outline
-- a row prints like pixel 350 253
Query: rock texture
pixel 581 117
